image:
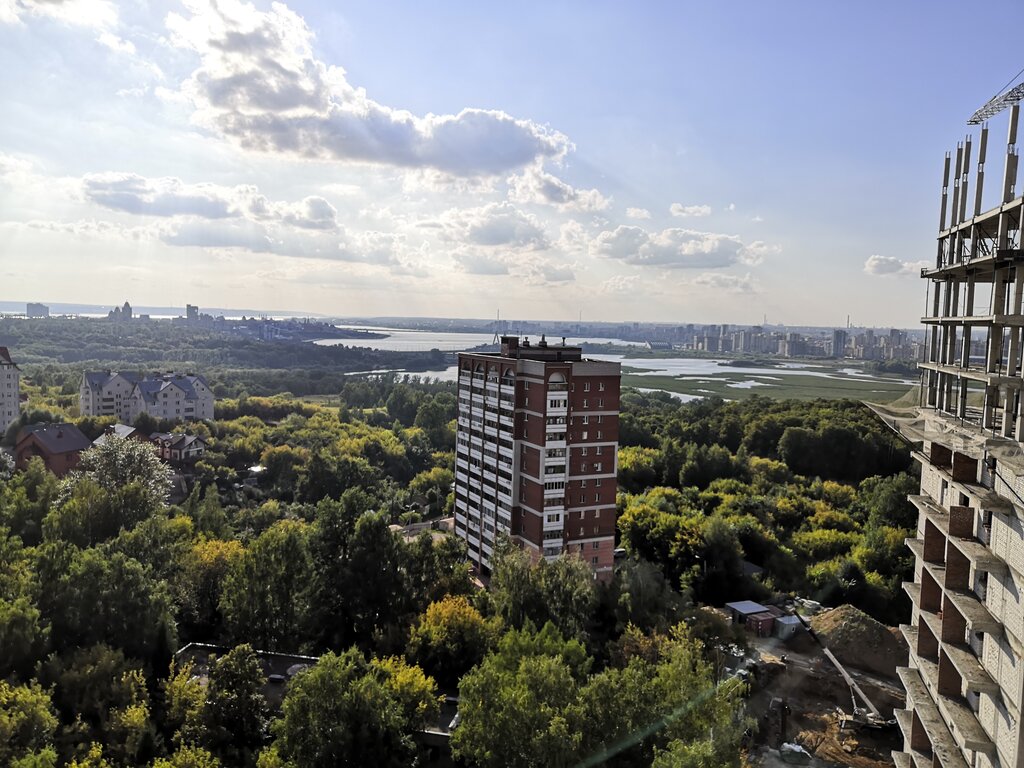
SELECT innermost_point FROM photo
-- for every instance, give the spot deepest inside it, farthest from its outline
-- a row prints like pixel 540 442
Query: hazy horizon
pixel 369 159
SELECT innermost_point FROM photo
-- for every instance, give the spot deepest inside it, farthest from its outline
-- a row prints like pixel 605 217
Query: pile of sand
pixel 859 641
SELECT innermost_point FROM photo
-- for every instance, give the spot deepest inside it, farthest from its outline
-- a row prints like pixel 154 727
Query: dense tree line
pixel 101 580
pixel 56 351
pixel 745 499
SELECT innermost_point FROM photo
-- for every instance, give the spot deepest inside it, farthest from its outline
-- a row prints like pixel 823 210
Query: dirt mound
pixel 859 641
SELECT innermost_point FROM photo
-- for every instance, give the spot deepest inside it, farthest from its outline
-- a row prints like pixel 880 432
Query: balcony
pixel 981 557
pixel 977 616
pixel 943 745
pixel 969 668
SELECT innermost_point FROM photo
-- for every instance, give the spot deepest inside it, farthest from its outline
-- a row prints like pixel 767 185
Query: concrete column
pixel 980 176
pixel 945 197
pixel 1010 168
pixel 965 181
pixel 958 172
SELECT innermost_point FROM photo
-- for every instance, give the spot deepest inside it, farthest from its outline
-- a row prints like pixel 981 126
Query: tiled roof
pixel 5 356
pixel 57 438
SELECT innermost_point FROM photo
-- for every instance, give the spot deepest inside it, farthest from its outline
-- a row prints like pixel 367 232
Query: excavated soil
pixel 859 641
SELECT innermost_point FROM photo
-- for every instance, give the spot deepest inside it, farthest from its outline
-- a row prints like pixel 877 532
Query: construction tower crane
pixel 1006 97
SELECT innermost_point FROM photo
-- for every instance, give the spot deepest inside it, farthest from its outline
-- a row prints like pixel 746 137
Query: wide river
pixel 402 340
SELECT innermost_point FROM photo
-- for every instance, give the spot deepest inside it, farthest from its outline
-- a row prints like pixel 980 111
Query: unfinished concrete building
pixel 965 679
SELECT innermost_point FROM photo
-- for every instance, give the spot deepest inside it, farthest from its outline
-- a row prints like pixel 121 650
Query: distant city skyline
pixel 671 162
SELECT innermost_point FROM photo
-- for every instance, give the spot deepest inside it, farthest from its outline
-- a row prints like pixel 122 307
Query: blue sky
pixel 691 162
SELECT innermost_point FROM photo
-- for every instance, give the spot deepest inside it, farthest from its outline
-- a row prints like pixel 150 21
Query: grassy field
pixel 797 386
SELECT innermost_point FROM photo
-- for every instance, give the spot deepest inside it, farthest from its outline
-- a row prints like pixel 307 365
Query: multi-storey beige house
pixel 125 395
pixel 179 397
pixel 10 390
pixel 107 393
pixel 965 679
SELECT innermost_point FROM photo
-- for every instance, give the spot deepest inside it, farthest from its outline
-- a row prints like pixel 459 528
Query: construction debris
pixel 860 641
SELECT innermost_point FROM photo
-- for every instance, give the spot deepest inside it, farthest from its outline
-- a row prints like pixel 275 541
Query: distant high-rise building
pixel 10 390
pixel 191 312
pixel 536 452
pixel 126 311
pixel 32 309
pixel 838 343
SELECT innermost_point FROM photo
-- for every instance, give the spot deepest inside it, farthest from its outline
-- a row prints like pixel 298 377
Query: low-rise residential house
pixel 123 431
pixel 127 394
pixel 10 390
pixel 59 446
pixel 177 448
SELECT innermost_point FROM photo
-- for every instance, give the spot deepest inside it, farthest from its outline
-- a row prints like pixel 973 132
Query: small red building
pixel 58 445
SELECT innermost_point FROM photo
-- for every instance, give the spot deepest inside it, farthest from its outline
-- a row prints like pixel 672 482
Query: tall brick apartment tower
pixel 965 679
pixel 535 459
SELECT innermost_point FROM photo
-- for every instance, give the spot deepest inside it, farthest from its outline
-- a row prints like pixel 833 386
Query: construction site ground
pixel 816 694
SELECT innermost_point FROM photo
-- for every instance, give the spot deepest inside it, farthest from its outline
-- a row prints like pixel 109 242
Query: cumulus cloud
pixel 13 166
pixel 260 85
pixel 494 224
pixel 620 284
pixel 98 15
pixel 676 248
pixel 537 186
pixel 478 263
pixel 380 248
pixel 638 213
pixel 728 283
pixel 170 196
pixel 687 211
pixel 887 266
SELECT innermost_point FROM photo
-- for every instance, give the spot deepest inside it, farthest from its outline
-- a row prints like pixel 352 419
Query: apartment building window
pixel 585 403
pixel 586 419
pixel 600 386
pixel 600 418
pixel 583 451
pixel 597 482
pixel 599 434
pixel 600 402
pixel 597 467
pixel 552 518
pixel 597 544
pixel 586 386
pixel 593 561
pixel 583 483
pixel 598 449
pixel 584 435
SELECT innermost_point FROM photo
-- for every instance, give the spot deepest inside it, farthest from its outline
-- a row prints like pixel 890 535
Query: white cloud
pixel 13 166
pixel 620 284
pixel 754 253
pixel 170 196
pixel 638 213
pixel 478 263
pixel 727 283
pixel 98 15
pixel 535 185
pixel 494 224
pixel 891 266
pixel 676 248
pixel 260 85
pixel 689 211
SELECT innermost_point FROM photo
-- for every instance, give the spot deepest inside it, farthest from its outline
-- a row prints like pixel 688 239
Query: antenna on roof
pixel 497 329
pixel 1006 97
